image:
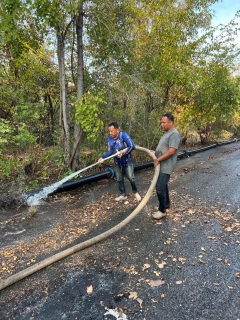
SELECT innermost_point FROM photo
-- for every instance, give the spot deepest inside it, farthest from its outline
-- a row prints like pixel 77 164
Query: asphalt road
pixel 186 266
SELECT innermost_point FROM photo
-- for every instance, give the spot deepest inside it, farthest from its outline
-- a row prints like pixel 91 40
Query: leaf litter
pixel 71 230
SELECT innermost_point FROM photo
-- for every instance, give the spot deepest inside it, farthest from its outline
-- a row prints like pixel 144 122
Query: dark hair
pixel 169 116
pixel 114 124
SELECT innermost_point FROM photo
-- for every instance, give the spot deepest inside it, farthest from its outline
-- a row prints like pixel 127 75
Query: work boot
pixel 120 198
pixel 158 215
pixel 138 197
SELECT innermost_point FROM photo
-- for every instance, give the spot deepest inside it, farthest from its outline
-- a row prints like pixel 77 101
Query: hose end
pixel 111 170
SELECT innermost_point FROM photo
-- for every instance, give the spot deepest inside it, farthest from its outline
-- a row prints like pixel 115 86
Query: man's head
pixel 113 129
pixel 167 122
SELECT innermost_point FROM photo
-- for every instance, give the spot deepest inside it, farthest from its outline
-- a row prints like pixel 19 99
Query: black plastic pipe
pixel 85 180
pixel 109 173
pixel 188 153
pixel 141 166
pixel 227 142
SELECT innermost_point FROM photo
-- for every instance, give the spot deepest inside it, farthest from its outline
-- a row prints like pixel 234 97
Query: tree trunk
pixel 63 95
pixel 78 133
pixel 167 91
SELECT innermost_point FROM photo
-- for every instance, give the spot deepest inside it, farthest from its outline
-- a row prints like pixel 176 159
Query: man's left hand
pixel 121 153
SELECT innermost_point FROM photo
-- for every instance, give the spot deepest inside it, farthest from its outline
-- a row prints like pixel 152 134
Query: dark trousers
pixel 128 170
pixel 162 191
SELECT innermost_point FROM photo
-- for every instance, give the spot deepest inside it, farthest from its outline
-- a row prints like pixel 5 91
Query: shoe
pixel 120 198
pixel 158 215
pixel 138 197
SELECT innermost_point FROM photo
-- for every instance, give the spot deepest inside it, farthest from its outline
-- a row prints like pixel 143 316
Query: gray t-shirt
pixel 170 139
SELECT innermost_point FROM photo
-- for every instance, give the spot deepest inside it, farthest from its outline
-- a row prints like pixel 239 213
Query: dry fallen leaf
pixel 140 302
pixel 156 283
pixel 202 261
pixel 132 295
pixel 161 265
pixel 90 289
pixel 146 266
pixel 228 229
pixel 162 295
pixel 179 282
pixel 120 312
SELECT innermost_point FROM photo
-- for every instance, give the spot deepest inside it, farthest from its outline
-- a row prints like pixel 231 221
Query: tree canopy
pixel 69 68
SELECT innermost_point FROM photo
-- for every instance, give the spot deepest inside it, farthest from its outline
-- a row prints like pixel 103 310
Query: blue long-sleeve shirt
pixel 121 142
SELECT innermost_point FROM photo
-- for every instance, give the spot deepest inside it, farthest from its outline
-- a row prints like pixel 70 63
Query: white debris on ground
pixel 119 315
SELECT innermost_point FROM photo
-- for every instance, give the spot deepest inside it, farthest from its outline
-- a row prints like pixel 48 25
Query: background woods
pixel 69 68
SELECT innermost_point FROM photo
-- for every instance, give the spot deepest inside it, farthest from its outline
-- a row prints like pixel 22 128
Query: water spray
pixel 35 199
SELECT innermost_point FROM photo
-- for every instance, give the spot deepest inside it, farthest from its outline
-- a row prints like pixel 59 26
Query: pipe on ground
pixel 80 182
pixel 109 172
pixel 42 264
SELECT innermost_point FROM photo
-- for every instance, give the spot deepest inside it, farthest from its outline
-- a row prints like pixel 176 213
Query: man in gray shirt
pixel 166 154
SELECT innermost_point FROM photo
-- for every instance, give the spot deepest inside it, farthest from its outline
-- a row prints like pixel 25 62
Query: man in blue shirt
pixel 123 162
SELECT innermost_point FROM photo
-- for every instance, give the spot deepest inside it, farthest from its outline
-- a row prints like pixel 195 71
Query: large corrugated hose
pixel 58 256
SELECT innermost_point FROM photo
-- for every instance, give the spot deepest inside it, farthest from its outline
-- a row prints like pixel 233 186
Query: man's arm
pixel 108 153
pixel 168 154
pixel 130 144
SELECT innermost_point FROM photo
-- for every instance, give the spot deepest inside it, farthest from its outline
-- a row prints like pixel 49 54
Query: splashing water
pixel 35 200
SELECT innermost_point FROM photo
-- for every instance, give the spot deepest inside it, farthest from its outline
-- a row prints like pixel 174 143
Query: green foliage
pixel 23 138
pixel 33 185
pixel 8 166
pixel 87 114
pixel 67 173
pixel 215 97
pixel 147 58
pixel 15 135
pixel 5 133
